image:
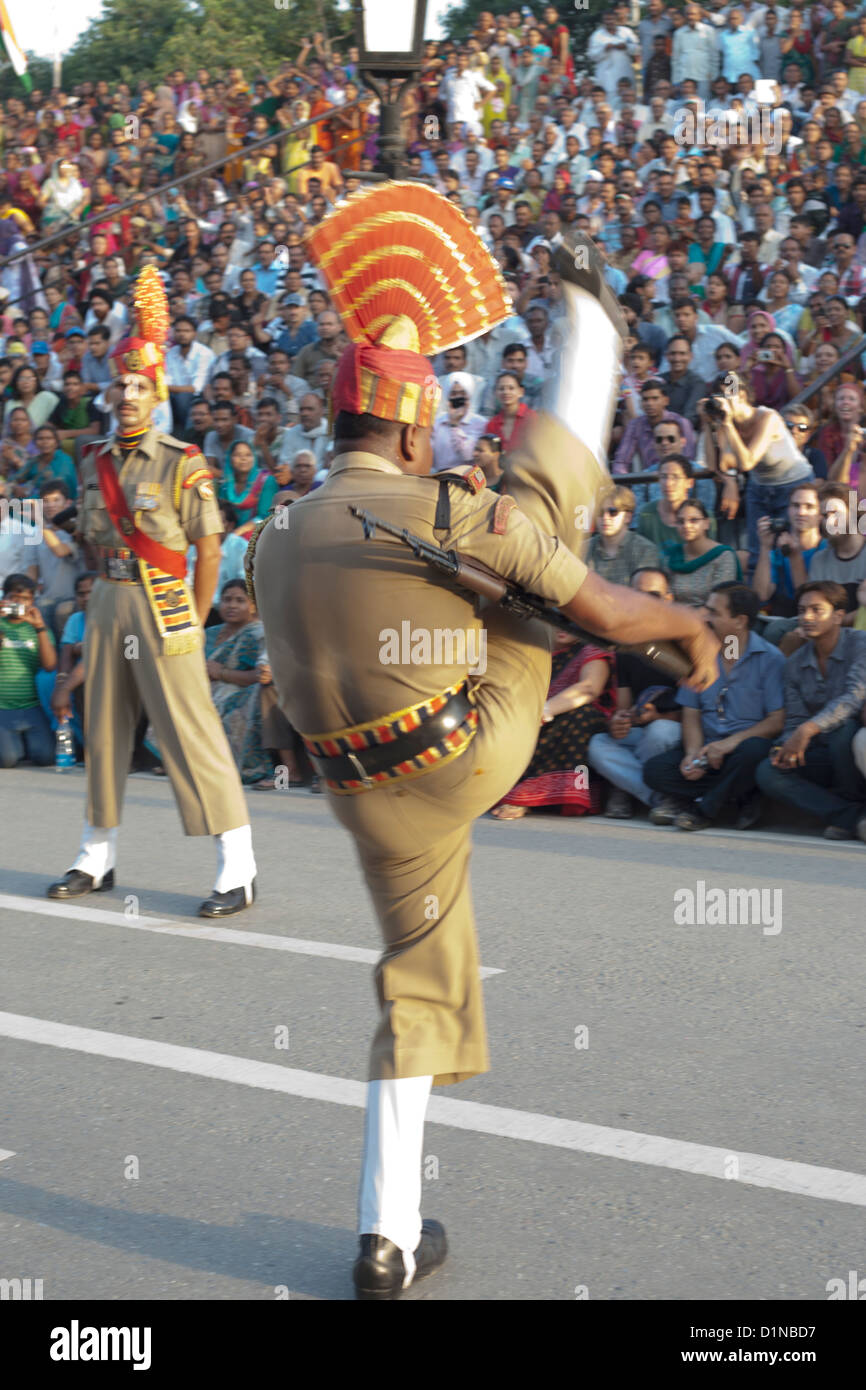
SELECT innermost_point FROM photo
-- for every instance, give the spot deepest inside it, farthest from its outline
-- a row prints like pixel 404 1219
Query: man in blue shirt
pixel 740 49
pixel 813 769
pixel 729 728
pixel 299 330
pixel 783 563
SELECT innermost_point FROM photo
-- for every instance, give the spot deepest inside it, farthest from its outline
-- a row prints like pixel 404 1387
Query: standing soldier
pixel 412 747
pixel 147 497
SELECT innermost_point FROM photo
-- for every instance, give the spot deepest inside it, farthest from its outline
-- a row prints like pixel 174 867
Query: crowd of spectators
pixel 716 154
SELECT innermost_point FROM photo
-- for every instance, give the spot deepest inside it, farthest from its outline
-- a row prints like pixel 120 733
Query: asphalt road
pixel 674 1111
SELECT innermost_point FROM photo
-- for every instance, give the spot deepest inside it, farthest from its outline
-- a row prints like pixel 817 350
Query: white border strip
pixel 167 926
pixel 755 1170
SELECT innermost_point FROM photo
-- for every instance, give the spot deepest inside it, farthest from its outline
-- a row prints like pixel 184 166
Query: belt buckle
pixel 360 769
pixel 116 568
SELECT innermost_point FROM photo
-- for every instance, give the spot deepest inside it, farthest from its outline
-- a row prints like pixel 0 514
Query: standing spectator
pixel 611 50
pixel 187 365
pixel 695 52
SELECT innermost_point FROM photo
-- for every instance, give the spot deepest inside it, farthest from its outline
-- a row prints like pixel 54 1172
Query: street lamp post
pixel 390 39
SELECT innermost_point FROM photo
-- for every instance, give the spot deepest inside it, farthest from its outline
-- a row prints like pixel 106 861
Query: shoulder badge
pixel 472 480
pixel 501 512
pixel 196 476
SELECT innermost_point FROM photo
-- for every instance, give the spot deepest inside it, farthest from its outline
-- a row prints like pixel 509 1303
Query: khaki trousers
pixel 125 669
pixel 414 838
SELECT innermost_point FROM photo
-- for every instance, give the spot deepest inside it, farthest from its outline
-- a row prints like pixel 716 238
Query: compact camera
pixel 12 610
pixel 714 410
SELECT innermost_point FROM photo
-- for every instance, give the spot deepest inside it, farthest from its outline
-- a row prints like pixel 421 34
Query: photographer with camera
pixel 787 546
pixel 26 648
pixel 458 429
pixel 57 558
pixel 754 440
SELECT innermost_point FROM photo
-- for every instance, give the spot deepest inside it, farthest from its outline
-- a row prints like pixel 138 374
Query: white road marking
pixel 754 1170
pixel 6 1153
pixel 167 926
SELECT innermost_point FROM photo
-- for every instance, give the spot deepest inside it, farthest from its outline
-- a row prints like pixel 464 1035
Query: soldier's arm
pixel 625 616
pixel 207 568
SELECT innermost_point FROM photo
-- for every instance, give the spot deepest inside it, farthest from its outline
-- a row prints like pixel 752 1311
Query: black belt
pixel 381 757
pixel 118 565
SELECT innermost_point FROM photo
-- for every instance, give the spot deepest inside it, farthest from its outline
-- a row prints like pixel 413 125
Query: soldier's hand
pixel 702 649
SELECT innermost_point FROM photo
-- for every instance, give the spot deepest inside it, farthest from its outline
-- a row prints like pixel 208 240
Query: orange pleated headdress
pixel 143 352
pixel 409 277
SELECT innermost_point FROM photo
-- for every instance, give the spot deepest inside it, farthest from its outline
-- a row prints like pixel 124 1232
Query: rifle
pixel 478 579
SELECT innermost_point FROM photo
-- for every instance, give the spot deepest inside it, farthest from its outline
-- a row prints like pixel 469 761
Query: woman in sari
pixel 348 132
pixel 580 699
pixel 696 562
pixel 232 652
pixel 246 485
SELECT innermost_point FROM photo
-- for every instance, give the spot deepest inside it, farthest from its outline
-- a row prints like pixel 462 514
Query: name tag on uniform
pixel 147 497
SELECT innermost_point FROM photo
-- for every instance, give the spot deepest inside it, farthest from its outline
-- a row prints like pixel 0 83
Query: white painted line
pixel 6 1153
pixel 167 926
pixel 755 1170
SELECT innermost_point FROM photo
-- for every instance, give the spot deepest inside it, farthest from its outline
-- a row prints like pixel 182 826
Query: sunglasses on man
pixel 665 438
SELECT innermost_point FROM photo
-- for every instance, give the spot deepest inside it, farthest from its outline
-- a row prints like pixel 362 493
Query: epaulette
pixel 473 480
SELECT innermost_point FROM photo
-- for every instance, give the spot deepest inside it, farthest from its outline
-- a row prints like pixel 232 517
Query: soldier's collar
pixel 147 443
pixel 356 458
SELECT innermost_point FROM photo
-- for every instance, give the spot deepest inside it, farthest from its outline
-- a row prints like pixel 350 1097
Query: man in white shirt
pixel 187 365
pixel 463 89
pixel 311 432
pixel 612 49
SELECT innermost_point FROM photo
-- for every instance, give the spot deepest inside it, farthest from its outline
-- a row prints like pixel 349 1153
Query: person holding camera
pixel 458 430
pixel 787 545
pixel 26 648
pixel 754 440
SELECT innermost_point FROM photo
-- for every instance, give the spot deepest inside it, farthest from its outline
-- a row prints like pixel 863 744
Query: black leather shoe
pixel 750 812
pixel 74 884
pixel 379 1271
pixel 227 904
pixel 578 260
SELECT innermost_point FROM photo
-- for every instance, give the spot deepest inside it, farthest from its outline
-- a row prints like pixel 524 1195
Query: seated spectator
pixel 638 446
pixel 47 464
pixel 514 415
pixel 842 438
pixel 96 363
pixel 488 457
pixel 457 429
pixel 24 391
pixel 581 698
pixel 685 388
pixel 56 558
pixel 225 433
pixel 801 423
pixel 311 432
pixel 698 564
pixel 646 720
pixel 26 650
pixel 301 477
pixel 615 552
pixel 75 417
pixel 232 651
pixel 727 730
pixel 786 556
pixel 657 519
pixel 248 487
pixel 772 377
pixel 813 768
pixel 843 557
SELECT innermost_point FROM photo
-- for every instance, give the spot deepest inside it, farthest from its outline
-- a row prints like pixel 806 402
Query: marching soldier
pixel 147 497
pixel 412 748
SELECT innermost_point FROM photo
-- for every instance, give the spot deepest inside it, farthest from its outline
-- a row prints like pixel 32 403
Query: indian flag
pixel 16 57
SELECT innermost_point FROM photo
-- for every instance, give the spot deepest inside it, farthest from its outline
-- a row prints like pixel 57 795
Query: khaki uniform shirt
pixel 148 480
pixel 334 604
